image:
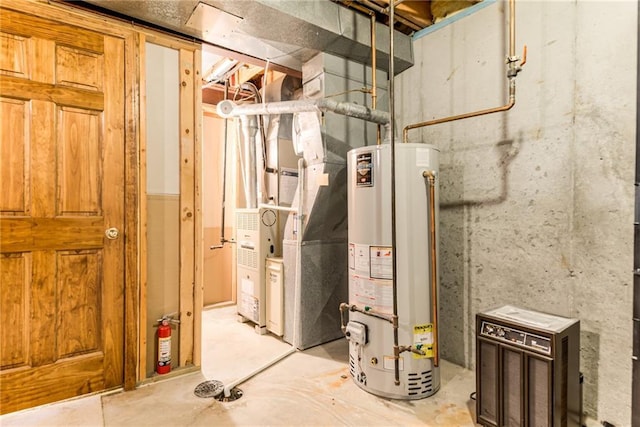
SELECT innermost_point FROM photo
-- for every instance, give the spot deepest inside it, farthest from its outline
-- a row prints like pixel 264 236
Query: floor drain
pixel 211 388
pixel 234 394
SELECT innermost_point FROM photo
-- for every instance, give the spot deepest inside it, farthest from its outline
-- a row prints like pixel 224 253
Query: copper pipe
pixel 374 89
pixel 396 17
pixel 512 72
pixel 512 28
pixel 384 11
pixel 369 312
pixel 412 349
pixel 374 95
pixel 431 182
pixel 395 4
pixel 405 131
pixel 418 23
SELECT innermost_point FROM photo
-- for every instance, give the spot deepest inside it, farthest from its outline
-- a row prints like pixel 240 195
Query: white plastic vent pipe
pixel 228 109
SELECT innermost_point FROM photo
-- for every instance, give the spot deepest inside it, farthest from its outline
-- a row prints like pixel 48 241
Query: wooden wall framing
pixel 190 286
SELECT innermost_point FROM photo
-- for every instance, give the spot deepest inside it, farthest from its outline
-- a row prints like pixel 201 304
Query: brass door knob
pixel 112 233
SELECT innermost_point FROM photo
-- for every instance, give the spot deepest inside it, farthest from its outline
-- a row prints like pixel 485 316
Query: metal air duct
pixel 284 32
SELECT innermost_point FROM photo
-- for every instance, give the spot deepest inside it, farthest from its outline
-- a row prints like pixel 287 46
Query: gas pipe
pixel 163 365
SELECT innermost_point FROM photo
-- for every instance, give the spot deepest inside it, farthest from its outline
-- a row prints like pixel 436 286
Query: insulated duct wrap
pixel 324 245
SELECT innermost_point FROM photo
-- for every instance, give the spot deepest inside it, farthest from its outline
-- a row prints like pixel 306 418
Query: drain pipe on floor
pixel 234 384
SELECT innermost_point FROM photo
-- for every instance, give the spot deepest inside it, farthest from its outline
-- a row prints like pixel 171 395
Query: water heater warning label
pixel 364 170
pixel 377 294
pixel 381 262
pixel 360 259
pixel 423 340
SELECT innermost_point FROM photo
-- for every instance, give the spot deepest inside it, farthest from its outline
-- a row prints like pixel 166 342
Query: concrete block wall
pixel 537 203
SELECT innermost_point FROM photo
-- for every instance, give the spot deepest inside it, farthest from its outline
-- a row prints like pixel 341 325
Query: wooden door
pixel 62 146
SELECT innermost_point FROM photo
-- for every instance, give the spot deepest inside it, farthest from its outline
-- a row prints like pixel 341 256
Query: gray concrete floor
pixel 310 388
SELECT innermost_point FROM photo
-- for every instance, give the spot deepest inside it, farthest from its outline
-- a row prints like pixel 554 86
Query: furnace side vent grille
pixel 247 221
pixel 248 258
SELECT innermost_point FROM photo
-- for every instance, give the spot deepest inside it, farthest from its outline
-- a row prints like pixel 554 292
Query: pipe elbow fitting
pixel 225 108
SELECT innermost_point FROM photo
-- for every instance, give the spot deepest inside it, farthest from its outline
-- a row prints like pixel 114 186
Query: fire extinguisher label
pixel 164 351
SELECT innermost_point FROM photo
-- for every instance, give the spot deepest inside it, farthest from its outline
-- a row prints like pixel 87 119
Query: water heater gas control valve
pixel 356 332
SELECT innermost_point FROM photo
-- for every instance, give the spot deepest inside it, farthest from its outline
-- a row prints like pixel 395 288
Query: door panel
pixel 78 286
pixel 15 271
pixel 79 169
pixel 79 68
pixel 62 146
pixel 14 120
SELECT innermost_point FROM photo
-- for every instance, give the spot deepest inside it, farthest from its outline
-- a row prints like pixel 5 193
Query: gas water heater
pixel 402 366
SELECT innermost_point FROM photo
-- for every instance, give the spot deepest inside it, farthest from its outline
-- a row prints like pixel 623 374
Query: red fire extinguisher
pixel 163 365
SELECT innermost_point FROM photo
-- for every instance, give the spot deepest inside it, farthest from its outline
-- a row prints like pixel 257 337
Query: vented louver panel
pixel 255 240
pixel 247 221
pixel 352 366
pixel 539 393
pixel 247 258
pixel 488 388
pixel 512 388
pixel 420 383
